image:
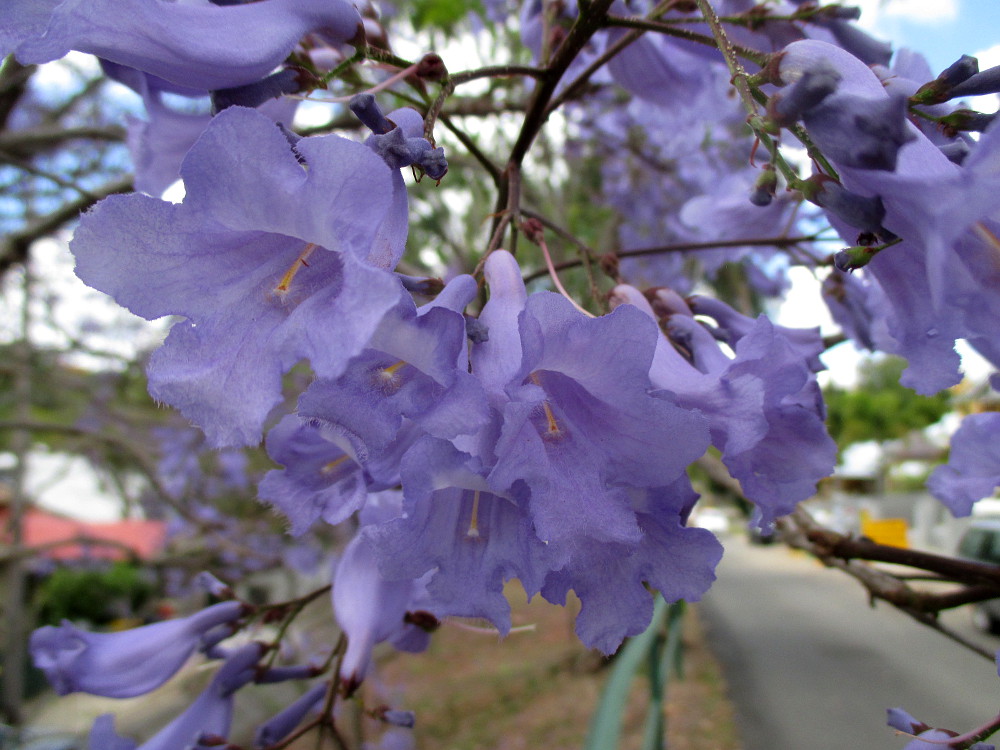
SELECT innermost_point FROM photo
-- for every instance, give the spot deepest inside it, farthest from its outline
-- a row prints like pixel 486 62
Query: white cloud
pixel 923 11
pixel 915 11
pixel 989 58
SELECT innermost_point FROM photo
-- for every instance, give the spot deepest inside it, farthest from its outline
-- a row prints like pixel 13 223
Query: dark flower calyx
pixel 291 80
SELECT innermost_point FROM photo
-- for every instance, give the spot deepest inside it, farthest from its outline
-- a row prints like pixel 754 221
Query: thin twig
pixel 689 246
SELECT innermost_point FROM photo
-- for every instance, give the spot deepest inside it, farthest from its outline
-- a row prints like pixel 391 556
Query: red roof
pixel 66 538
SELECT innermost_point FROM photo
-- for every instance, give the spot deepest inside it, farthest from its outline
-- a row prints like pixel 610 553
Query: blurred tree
pixel 878 407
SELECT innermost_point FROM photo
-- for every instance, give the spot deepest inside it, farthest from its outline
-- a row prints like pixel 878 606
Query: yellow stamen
pixel 553 426
pixel 991 239
pixel 281 290
pixel 474 521
pixel 387 376
pixel 332 466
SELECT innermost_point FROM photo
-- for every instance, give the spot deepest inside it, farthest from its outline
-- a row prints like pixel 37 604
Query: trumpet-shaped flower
pixel 582 441
pixel 195 44
pixel 126 663
pixel 371 609
pixel 267 260
pixel 456 528
pixel 941 282
pixel 764 407
pixel 414 368
pixel 209 716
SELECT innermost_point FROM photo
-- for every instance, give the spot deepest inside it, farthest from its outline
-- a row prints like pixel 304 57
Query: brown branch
pixel 683 247
pixel 472 148
pixel 587 24
pixel 14 247
pixel 831 544
pixel 28 142
pixel 799 530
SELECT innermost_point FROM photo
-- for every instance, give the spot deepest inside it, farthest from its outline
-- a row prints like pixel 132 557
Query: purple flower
pixel 259 258
pixel 973 468
pixel 455 526
pixel 199 45
pixel 658 69
pixel 127 663
pixel 320 480
pixel 371 610
pixel 398 138
pixel 764 407
pixel 414 369
pixel 579 425
pixel 159 143
pixel 583 446
pixel 210 715
pixel 613 580
pixel 847 296
pixel 735 326
pixel 281 724
pixel 861 132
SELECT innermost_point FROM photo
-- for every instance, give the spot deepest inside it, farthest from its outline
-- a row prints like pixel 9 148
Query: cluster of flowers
pixel 521 438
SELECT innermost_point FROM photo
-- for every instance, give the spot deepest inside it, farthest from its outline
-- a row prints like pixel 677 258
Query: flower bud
pixel 765 187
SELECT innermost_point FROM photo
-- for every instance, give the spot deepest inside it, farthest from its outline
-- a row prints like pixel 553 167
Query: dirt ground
pixel 538 688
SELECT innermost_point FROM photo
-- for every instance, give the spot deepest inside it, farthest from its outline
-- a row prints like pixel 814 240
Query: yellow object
pixel 891 531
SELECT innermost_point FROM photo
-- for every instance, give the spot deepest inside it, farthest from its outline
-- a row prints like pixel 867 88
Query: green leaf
pixel 442 14
pixel 606 723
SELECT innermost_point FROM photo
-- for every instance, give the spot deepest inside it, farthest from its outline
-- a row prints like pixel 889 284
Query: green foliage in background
pixel 441 14
pixel 878 407
pixel 96 595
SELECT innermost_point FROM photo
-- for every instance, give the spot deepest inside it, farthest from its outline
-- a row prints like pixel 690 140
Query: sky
pixel 942 30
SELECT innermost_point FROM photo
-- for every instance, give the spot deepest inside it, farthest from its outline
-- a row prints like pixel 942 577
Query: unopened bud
pixel 984 82
pixel 840 12
pixel 964 120
pixel 609 263
pixel 397 718
pixel 366 109
pixel 853 258
pixel 432 67
pixel 765 186
pixel 533 229
pixel 961 70
pixel 214 586
pixel 477 333
pixel 280 726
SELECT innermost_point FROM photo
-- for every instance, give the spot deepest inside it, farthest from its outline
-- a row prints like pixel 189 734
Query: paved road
pixel 811 665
